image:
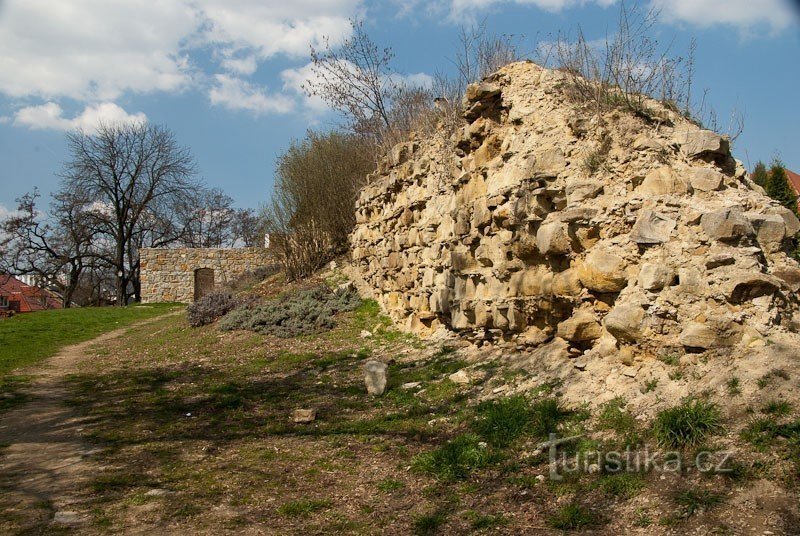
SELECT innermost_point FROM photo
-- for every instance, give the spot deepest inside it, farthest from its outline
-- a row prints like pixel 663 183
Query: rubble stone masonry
pixel 545 219
pixel 168 275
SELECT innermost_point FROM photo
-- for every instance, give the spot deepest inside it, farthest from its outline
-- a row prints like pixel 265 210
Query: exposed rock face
pixel 504 231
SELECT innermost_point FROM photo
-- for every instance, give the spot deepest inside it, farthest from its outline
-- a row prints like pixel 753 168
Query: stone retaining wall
pixel 168 275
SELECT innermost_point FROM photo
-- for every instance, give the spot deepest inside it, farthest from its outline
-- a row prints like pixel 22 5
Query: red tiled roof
pixel 794 181
pixel 24 298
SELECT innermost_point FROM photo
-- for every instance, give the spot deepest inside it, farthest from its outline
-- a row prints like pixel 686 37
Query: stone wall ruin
pixel 168 275
pixel 544 220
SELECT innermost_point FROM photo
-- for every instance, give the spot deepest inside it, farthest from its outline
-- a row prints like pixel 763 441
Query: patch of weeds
pixel 650 386
pixel 687 424
pixel 484 521
pixel 675 375
pixel 456 459
pixel 642 519
pixel 596 160
pixel 430 523
pixel 692 501
pixel 303 507
pixel 767 378
pixel 670 358
pixel 614 416
pixel 443 391
pixel 546 415
pixel 778 408
pixel 733 386
pixel 523 481
pixel 440 364
pixel 117 481
pixel 763 431
pixel 389 485
pixel 500 422
pixel 573 516
pixel 100 519
pixel 621 485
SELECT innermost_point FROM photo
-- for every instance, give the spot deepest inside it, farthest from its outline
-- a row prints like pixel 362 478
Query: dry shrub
pixel 312 210
pixel 210 307
pixel 627 68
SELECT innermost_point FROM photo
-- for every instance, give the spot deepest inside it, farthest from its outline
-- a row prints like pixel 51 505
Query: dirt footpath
pixel 44 465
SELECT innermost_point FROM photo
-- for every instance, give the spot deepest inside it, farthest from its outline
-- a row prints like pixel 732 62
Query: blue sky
pixel 224 75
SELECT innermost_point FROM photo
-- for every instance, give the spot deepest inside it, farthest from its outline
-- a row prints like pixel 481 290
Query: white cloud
pixel 237 94
pixel 743 14
pixel 51 116
pixel 423 80
pixel 96 50
pixel 466 9
pixel 6 212
pixel 295 79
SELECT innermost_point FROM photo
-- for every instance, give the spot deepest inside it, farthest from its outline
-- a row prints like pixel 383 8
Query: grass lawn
pixel 28 338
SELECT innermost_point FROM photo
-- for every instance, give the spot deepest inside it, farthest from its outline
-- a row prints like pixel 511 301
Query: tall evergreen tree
pixel 760 174
pixel 778 187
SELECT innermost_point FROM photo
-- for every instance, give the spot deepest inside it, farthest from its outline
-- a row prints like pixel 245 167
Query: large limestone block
pixel 553 238
pixel 532 282
pixel 697 335
pixel 663 181
pixel 747 286
pixel 582 326
pixel 770 230
pixel 654 276
pixel 375 377
pixel 789 218
pixel 582 189
pixel 625 322
pixel 481 91
pixel 652 228
pixel 567 283
pixel 481 216
pixel 726 225
pixel 705 179
pixel 603 272
pixel 790 275
pixel 549 163
pixel 696 143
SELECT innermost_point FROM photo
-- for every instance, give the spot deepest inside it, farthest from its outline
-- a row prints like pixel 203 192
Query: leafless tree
pixel 355 79
pixel 54 249
pixel 312 209
pixel 127 170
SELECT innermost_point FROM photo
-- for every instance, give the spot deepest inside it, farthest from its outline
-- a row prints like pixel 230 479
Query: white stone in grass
pixel 304 416
pixel 375 377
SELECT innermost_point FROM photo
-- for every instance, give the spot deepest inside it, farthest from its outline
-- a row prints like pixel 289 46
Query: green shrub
pixel 210 307
pixel 456 459
pixel 763 431
pixel 301 313
pixel 687 424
